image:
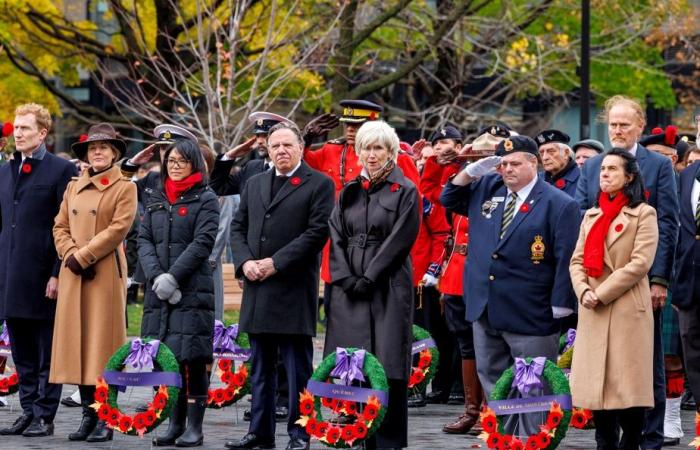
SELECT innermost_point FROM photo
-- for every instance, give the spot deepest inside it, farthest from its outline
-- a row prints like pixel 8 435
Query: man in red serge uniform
pixel 438 170
pixel 337 158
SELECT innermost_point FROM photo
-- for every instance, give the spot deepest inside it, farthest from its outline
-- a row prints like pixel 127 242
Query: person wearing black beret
pixel 586 149
pixel 516 277
pixel 560 169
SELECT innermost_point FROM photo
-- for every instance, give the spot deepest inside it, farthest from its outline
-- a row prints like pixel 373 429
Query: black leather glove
pixel 319 126
pixel 348 284
pixel 74 265
pixel 89 273
pixel 363 286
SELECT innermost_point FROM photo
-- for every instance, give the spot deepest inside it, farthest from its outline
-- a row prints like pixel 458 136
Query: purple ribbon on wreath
pixel 5 335
pixel 570 338
pixel 142 354
pixel 348 366
pixel 527 375
pixel 225 337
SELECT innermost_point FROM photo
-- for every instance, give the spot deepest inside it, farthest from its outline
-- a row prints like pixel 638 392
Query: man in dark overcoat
pixel 277 235
pixel 626 120
pixel 31 191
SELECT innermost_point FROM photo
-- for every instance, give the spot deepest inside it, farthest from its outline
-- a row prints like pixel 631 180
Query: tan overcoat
pixel 612 363
pixel 94 218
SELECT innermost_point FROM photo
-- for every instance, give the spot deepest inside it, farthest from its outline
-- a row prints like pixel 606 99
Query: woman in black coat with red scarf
pixel 176 238
pixel 373 228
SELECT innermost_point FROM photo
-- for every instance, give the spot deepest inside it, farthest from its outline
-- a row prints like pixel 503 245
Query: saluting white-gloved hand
pixel 483 166
pixel 177 296
pixel 164 286
pixel 429 280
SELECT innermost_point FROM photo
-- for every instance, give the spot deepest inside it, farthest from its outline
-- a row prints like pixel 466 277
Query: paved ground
pixel 220 425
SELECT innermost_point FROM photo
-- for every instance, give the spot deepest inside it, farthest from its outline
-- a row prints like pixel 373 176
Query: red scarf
pixel 173 189
pixel 594 248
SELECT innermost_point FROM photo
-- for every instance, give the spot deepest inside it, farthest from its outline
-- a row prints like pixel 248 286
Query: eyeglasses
pixel 177 162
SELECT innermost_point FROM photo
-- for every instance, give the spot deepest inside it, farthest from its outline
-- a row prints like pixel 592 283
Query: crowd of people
pixel 496 246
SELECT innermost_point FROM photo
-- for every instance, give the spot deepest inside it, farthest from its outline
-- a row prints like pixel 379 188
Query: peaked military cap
pixel 167 133
pixel 263 121
pixel 359 111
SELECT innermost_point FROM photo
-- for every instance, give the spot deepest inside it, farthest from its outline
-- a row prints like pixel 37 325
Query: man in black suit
pixel 222 181
pixel 31 191
pixel 278 233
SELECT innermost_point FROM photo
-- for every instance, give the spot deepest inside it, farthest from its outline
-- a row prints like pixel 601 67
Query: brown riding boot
pixel 472 401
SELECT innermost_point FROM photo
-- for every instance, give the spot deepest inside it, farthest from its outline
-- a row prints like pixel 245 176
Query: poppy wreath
pixel 695 443
pixel 237 381
pixel 580 418
pixel 361 419
pixel 9 384
pixel 158 409
pixel 428 359
pixel 551 432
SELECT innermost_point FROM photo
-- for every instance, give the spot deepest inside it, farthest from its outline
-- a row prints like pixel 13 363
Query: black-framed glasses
pixel 177 162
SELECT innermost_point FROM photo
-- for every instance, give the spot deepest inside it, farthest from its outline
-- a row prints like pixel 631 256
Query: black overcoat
pixel 178 239
pixel 223 183
pixel 29 201
pixel 387 218
pixel 291 229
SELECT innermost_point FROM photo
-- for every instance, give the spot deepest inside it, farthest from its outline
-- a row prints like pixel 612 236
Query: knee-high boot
pixel 177 422
pixel 473 396
pixel 193 436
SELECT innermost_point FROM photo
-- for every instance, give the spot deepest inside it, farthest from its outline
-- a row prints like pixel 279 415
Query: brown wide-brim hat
pixel 101 132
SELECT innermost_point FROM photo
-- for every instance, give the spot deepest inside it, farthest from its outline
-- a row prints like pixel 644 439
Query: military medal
pixel 537 249
pixel 486 209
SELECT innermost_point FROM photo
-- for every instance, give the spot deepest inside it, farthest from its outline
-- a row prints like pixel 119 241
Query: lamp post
pixel 585 129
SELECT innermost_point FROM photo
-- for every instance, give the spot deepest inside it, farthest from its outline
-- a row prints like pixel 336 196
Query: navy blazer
pixel 521 277
pixel 660 188
pixel 29 201
pixel 223 183
pixel 687 242
pixel 567 182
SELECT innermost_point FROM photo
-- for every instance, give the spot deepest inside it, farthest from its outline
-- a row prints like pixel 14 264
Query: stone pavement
pixel 219 425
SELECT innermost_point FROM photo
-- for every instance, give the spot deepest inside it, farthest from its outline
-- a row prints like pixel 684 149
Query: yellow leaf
pixel 303 420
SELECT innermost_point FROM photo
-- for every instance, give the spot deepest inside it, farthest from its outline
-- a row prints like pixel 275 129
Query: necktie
pixel 697 213
pixel 277 184
pixel 509 213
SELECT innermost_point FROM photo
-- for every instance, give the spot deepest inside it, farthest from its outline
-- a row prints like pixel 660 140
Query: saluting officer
pixel 516 282
pixel 560 169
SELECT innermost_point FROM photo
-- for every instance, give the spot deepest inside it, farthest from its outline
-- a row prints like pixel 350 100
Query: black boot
pixel 87 425
pixel 193 437
pixel 177 423
pixel 101 433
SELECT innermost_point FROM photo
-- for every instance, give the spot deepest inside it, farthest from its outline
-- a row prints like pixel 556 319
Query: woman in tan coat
pixel 611 372
pixel 97 211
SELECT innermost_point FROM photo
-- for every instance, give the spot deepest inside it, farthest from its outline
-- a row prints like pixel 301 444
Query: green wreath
pixel 237 382
pixel 428 360
pixel 359 423
pixel 559 385
pixel 158 409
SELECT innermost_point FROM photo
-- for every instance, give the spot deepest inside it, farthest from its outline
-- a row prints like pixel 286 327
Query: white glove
pixel 164 286
pixel 429 280
pixel 483 166
pixel 129 282
pixel 175 299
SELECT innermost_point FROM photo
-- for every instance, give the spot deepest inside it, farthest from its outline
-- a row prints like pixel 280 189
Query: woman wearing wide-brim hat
pixel 97 211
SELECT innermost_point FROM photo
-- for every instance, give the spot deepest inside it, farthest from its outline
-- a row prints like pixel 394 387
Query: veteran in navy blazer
pixel 626 120
pixel 516 279
pixel 31 192
pixel 277 236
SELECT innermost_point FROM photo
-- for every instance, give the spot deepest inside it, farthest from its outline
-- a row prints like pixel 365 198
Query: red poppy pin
pixel 104 181
pixel 295 181
pixel 395 187
pixel 618 227
pixel 27 168
pixel 182 211
pixel 560 183
pixel 365 184
pixel 647 194
pixel 524 208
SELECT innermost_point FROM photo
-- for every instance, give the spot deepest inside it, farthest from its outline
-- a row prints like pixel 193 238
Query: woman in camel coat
pixel 97 211
pixel 611 372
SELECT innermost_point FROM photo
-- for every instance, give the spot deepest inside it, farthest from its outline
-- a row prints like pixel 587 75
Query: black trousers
pixel 195 382
pixel 631 420
pixel 31 340
pixel 296 352
pixel 393 432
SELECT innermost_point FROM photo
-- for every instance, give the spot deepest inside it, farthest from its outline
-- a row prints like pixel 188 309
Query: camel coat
pixel 94 218
pixel 612 363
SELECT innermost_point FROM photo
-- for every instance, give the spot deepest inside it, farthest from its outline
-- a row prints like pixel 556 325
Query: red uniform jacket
pixel 339 161
pixel 430 244
pixel 435 176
